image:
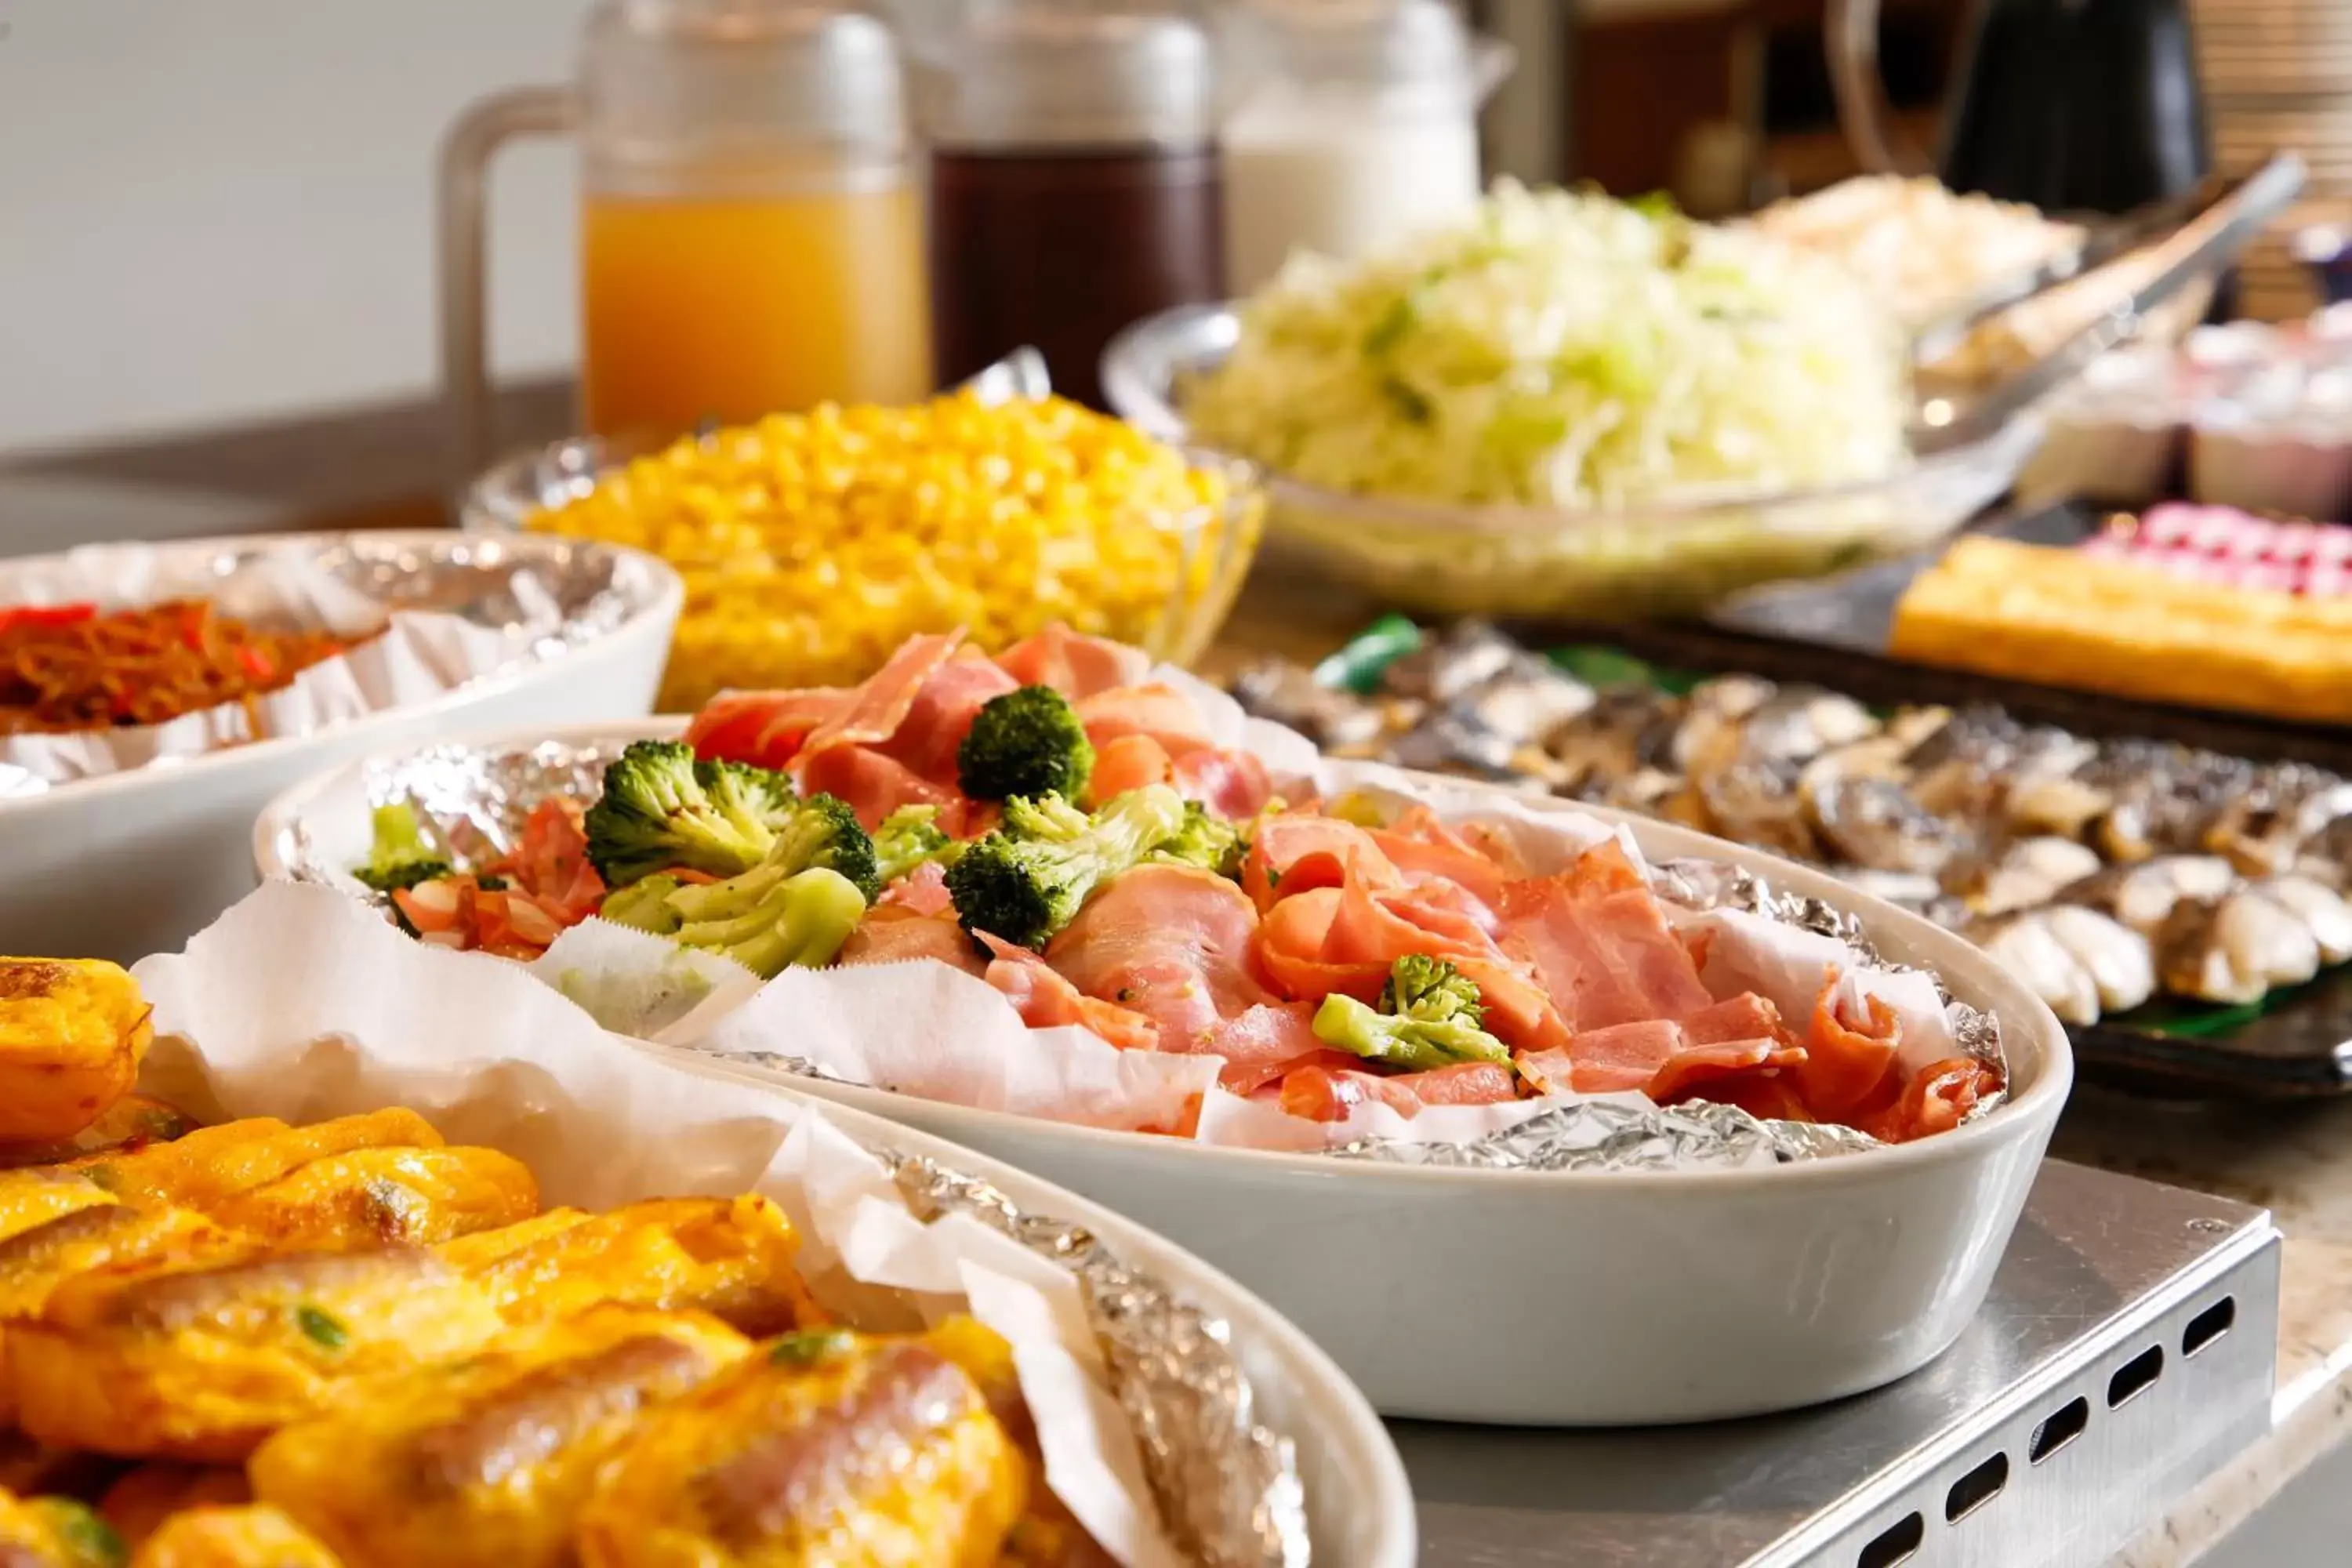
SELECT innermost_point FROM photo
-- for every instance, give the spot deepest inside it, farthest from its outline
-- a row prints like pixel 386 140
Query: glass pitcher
pixel 2071 105
pixel 752 219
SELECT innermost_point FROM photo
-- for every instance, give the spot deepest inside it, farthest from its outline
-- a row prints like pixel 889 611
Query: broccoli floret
pixel 1027 742
pixel 1029 879
pixel 821 833
pixel 907 837
pixel 399 858
pixel 1429 1018
pixel 1206 840
pixel 643 905
pixel 662 809
pixel 802 920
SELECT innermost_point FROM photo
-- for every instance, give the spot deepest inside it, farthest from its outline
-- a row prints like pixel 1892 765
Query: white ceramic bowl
pixel 135 862
pixel 1565 1299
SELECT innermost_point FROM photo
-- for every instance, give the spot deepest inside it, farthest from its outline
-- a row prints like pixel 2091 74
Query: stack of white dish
pixel 2278 76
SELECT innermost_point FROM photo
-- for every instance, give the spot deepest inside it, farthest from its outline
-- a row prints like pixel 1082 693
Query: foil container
pixel 1227 1486
pixel 537 598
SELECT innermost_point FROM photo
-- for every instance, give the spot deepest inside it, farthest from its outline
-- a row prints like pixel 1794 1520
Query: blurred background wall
pixel 218 211
pixel 215 210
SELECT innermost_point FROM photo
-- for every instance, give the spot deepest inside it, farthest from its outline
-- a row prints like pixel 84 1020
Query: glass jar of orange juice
pixel 751 218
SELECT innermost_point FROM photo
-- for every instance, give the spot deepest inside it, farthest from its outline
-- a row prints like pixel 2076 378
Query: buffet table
pixel 381 467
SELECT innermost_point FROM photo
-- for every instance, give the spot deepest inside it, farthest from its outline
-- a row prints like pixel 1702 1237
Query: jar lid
pixel 1357 45
pixel 1037 73
pixel 672 81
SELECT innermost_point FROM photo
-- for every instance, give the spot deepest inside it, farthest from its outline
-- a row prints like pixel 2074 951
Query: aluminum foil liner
pixel 536 599
pixel 472 801
pixel 1228 1487
pixel 1608 1135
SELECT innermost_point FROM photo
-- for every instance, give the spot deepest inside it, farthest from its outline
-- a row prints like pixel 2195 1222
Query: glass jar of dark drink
pixel 1074 181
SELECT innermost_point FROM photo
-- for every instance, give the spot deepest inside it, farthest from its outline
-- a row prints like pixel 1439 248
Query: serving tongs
pixel 2194 236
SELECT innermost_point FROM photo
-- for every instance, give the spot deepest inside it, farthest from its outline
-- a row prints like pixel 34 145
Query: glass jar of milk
pixel 1355 123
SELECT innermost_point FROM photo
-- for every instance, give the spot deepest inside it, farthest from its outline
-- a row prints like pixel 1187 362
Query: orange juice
pixel 729 308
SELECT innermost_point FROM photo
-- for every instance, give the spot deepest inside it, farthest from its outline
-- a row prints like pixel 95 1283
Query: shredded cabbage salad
pixel 1566 349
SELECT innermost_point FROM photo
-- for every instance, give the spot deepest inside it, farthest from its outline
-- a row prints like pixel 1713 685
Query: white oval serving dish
pixel 135 862
pixel 1550 1298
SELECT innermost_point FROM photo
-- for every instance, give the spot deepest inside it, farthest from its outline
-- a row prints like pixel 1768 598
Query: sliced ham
pixel 1321 1093
pixel 763 728
pixel 1623 1056
pixel 876 710
pixel 1046 1000
pixel 551 865
pixel 1702 1072
pixel 1603 950
pixel 1234 785
pixel 1132 762
pixel 1171 942
pixel 1075 666
pixel 1263 1043
pixel 876 786
pixel 1345 939
pixel 1158 711
pixel 1849 1071
pixel 1291 854
pixel 940 715
pixel 894 933
pixel 1424 849
pixel 1935 1101
pixel 1747 1016
pixel 923 890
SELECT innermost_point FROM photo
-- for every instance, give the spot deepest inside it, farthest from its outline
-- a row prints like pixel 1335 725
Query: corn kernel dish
pixel 653 1384
pixel 814 544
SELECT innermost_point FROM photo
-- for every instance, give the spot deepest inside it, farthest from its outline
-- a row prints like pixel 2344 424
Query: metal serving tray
pixel 2127 1350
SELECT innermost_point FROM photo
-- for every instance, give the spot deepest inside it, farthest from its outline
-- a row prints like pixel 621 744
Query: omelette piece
pixel 55 1532
pixel 32 1198
pixel 823 1448
pixel 73 1034
pixel 484 1464
pixel 233 1538
pixel 34 1262
pixel 731 1257
pixel 141 1500
pixel 373 1197
pixel 1047 1534
pixel 200 1359
pixel 215 1163
pixel 129 1123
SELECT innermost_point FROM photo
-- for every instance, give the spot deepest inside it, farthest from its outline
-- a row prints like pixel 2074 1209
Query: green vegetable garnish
pixel 1429 1018
pixel 810 1346
pixel 1029 879
pixel 322 1328
pixel 90 1539
pixel 399 858
pixel 1026 742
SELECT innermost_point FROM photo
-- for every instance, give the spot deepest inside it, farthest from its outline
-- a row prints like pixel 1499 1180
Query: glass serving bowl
pixel 1501 560
pixel 723 641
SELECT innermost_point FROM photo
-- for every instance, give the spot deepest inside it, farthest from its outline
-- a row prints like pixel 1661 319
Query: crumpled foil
pixel 544 595
pixel 1227 1486
pixel 472 801
pixel 1609 1135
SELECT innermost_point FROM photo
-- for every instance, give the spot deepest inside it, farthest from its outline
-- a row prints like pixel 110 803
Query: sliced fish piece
pixel 2026 946
pixel 1530 700
pixel 1873 821
pixel 2264 827
pixel 2235 949
pixel 2141 896
pixel 2322 910
pixel 2025 874
pixel 1289 694
pixel 1449 666
pixel 2119 960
